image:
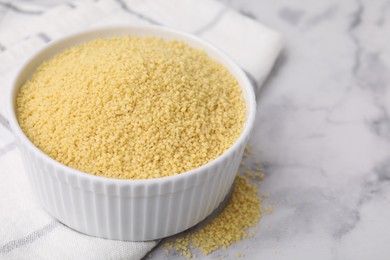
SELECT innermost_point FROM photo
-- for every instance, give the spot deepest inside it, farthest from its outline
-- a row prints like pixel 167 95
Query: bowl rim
pixel 235 70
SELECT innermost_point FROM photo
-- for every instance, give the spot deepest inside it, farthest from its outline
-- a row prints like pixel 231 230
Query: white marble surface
pixel 323 127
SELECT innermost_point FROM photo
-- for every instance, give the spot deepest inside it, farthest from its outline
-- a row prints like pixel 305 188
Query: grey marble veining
pixel 323 127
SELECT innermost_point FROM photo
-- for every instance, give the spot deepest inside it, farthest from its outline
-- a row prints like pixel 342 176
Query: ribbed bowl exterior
pixel 130 210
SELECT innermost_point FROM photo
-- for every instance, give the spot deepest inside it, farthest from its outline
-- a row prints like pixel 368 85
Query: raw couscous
pixel 132 108
pixel 243 211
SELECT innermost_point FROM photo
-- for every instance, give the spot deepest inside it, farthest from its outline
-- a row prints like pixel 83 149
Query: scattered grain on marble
pixel 132 108
pixel 231 225
pixel 235 222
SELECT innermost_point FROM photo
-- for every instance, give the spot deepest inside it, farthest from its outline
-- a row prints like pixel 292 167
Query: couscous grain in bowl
pixel 140 129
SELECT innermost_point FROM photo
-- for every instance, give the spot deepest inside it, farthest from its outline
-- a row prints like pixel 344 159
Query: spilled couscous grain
pixel 235 222
pixel 229 226
pixel 132 108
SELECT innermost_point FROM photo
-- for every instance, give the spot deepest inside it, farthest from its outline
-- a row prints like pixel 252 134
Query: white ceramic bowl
pixel 131 210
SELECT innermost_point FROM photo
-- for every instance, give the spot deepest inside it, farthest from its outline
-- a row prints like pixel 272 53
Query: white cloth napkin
pixel 26 231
